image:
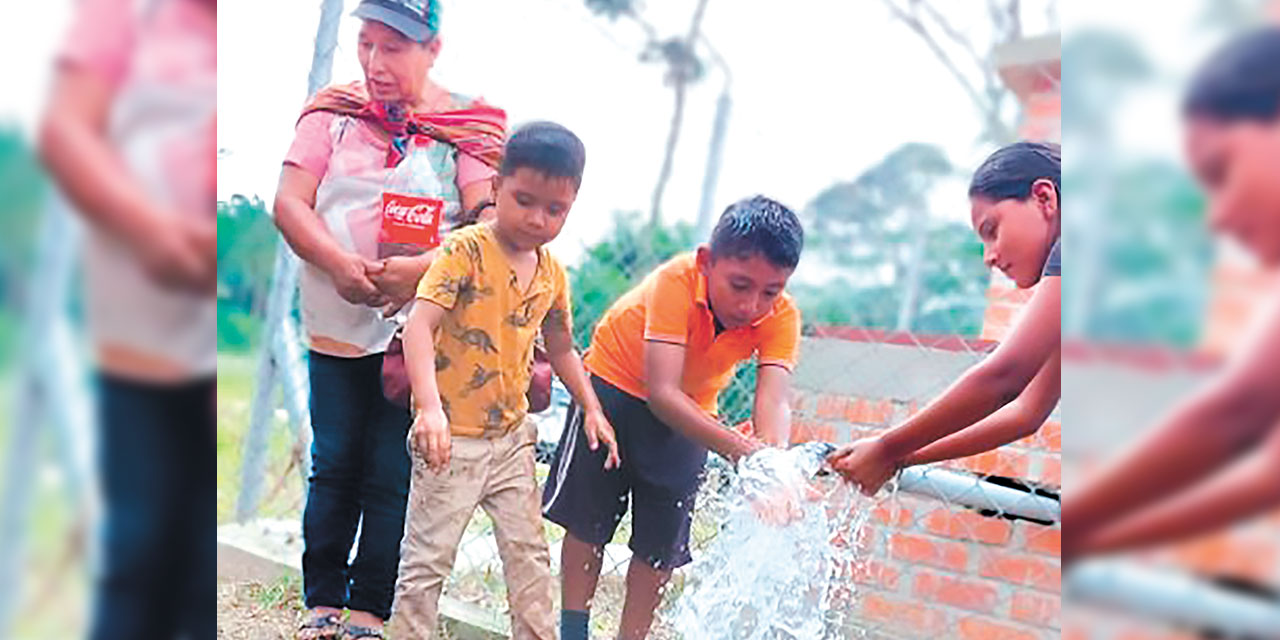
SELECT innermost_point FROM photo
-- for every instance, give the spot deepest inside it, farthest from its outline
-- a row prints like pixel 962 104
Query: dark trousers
pixel 359 477
pixel 158 468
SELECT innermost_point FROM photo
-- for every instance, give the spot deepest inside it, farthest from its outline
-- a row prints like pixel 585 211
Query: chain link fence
pixel 940 553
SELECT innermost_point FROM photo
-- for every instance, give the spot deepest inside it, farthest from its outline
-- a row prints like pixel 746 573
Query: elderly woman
pixel 128 136
pixel 330 208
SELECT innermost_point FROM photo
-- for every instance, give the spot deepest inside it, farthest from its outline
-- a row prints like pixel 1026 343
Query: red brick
pixel 998 462
pixel 1036 608
pixel 831 406
pixel 1031 571
pixel 799 401
pixel 876 573
pixel 810 430
pixel 934 553
pixel 893 514
pixel 1230 555
pixel 1050 435
pixel 967 525
pixel 975 628
pixel 1051 471
pixel 962 593
pixel 1043 540
pixel 895 614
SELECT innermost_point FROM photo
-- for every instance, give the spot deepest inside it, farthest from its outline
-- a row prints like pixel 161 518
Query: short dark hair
pixel 1240 81
pixel 1012 170
pixel 759 225
pixel 545 147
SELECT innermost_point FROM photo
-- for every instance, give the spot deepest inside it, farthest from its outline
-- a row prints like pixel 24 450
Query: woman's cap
pixel 417 20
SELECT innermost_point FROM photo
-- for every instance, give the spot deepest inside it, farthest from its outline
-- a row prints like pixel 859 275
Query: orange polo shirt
pixel 670 305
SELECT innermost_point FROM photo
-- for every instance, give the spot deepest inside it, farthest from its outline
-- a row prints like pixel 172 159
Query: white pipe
pixel 1177 598
pixel 971 491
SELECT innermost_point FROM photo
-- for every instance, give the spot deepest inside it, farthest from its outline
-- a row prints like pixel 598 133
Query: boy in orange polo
pixel 659 359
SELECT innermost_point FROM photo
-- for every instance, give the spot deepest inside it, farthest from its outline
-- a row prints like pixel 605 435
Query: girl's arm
pixel 992 383
pixel 1012 422
pixel 1217 424
pixel 1247 488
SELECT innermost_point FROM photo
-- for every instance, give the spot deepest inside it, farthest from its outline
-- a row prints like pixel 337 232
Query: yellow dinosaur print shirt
pixel 484 344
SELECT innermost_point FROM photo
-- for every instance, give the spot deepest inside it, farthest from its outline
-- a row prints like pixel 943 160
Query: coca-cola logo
pixel 410 219
pixel 423 214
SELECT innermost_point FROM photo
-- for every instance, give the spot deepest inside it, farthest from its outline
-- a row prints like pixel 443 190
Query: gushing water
pixel 780 567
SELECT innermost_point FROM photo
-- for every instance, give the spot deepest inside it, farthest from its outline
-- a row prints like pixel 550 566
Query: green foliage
pixel 866 229
pixel 617 263
pixel 247 242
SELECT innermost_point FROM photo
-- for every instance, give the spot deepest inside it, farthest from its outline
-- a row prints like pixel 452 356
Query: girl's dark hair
pixel 759 225
pixel 548 148
pixel 1240 81
pixel 1012 170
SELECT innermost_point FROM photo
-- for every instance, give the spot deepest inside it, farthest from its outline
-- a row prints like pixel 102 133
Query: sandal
pixel 322 627
pixel 354 632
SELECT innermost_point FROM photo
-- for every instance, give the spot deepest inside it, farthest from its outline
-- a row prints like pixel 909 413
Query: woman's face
pixel 395 67
pixel 1236 163
pixel 1017 234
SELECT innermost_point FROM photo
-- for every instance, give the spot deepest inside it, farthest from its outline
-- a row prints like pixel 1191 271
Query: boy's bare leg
pixel 579 572
pixel 644 592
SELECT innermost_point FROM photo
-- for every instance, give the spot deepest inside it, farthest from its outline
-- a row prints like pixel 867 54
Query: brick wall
pixel 933 568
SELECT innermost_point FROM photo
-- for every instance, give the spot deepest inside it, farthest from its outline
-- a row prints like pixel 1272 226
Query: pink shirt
pixel 348 156
pixel 160 59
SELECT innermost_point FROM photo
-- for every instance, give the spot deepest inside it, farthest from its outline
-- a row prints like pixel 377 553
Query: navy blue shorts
pixel 660 473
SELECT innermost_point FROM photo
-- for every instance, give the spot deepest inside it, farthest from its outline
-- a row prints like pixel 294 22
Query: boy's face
pixel 741 289
pixel 1236 165
pixel 532 207
pixel 1017 234
pixel 395 67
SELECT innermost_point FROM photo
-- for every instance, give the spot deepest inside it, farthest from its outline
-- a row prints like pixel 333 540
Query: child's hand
pixel 398 279
pixel 431 438
pixel 866 463
pixel 784 506
pixel 598 430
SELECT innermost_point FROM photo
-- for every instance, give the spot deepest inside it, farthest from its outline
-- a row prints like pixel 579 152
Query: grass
pixel 282 495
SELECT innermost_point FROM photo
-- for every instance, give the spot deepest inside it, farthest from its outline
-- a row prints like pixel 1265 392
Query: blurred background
pixel 1153 303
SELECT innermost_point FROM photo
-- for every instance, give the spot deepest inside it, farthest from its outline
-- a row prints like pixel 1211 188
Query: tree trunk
pixel 677 116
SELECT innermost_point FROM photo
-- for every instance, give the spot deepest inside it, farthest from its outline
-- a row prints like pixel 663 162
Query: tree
pixel 246 256
pixel 971 65
pixel 683 67
pixel 903 268
pixel 614 265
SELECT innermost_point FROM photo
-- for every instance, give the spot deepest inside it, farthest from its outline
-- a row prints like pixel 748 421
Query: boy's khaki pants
pixel 497 474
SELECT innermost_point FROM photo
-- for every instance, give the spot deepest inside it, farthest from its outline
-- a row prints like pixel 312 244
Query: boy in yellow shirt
pixel 468 347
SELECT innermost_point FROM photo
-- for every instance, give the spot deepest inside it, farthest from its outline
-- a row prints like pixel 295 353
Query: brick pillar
pixel 1240 287
pixel 1032 69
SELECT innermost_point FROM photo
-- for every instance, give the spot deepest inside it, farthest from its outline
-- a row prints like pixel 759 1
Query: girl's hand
pixel 866 463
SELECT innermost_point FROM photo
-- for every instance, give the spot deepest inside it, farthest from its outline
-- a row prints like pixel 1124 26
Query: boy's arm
pixel 771 417
pixel 1014 421
pixel 430 425
pixel 664 368
pixel 568 367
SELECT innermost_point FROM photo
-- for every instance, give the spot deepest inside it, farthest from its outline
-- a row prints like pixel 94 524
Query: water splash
pixel 763 579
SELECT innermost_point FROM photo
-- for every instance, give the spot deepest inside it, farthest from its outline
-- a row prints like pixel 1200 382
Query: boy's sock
pixel 574 625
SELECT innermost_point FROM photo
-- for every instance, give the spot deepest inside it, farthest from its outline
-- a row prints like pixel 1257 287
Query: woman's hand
pixel 353 279
pixel 397 279
pixel 866 463
pixel 180 254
